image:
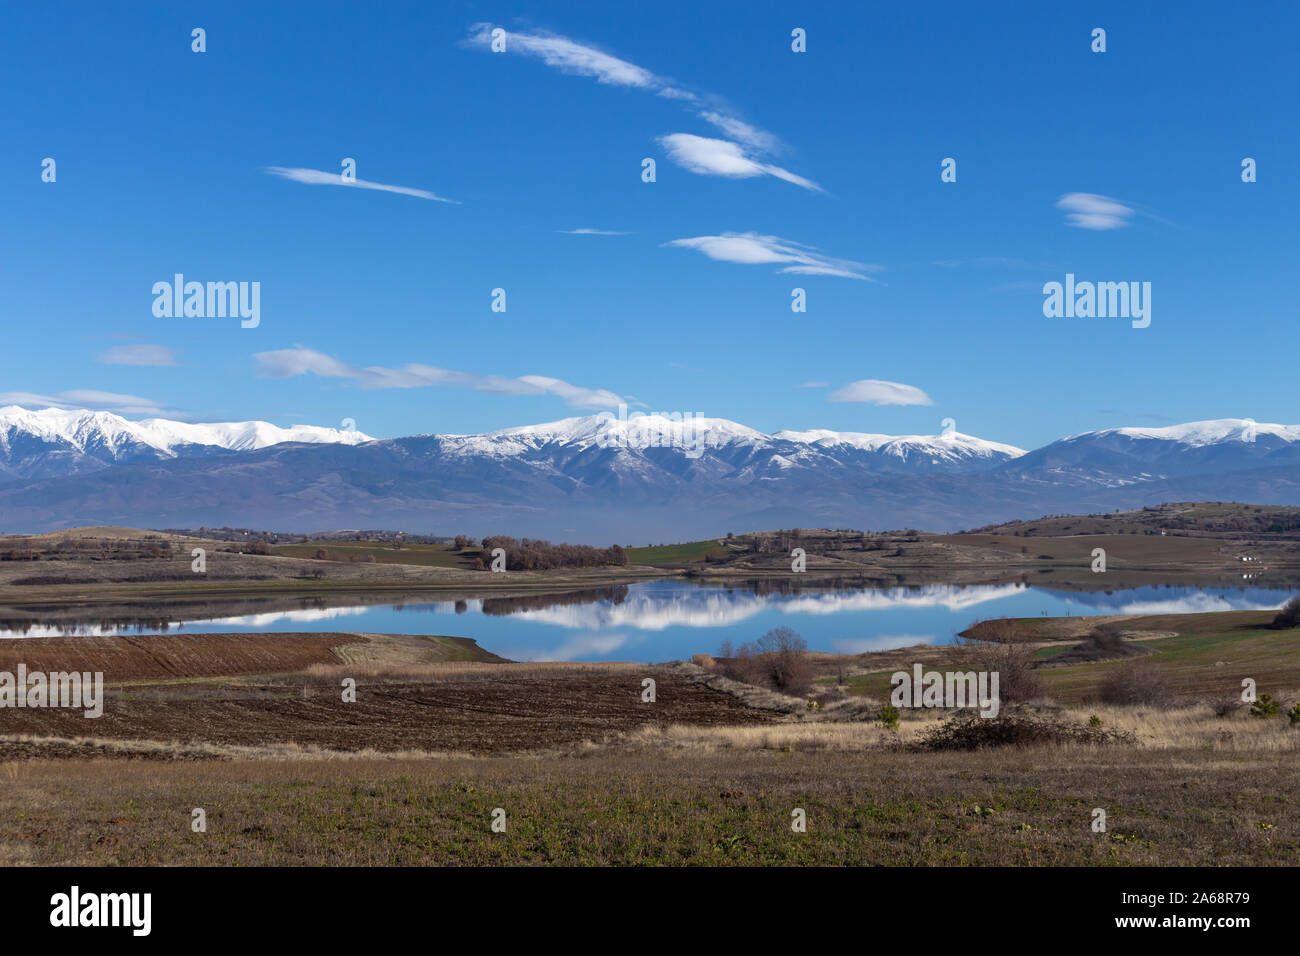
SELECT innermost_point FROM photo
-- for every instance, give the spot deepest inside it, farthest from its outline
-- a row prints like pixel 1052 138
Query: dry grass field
pixel 253 729
pixel 722 797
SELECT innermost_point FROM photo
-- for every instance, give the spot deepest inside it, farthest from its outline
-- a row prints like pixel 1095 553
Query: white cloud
pixel 881 393
pixel 591 232
pixel 87 398
pixel 317 177
pixel 569 56
pixel 158 355
pixel 572 57
pixel 885 642
pixel 285 363
pixel 750 248
pixel 1091 211
pixel 814 385
pixel 577 647
pixel 720 157
pixel 739 129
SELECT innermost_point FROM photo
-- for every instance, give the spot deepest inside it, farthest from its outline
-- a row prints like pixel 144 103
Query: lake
pixel 662 620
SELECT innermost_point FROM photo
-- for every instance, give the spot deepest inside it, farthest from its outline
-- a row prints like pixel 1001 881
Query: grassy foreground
pixel 586 772
pixel 1031 807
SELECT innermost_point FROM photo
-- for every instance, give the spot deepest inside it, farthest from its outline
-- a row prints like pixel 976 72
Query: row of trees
pixel 532 554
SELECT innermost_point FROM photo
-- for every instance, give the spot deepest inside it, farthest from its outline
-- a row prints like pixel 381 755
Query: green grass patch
pixel 671 555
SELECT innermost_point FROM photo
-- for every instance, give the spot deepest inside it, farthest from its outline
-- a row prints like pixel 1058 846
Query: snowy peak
pixel 242 436
pixel 1200 434
pixel 606 430
pixel 1115 457
pixel 947 446
pixel 639 450
pixel 608 427
pixel 53 442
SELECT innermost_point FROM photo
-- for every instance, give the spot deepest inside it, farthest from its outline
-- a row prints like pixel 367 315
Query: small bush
pixel 1002 647
pixel 889 716
pixel 830 696
pixel 1265 707
pixel 1289 616
pixel 1227 707
pixel 1138 683
pixel 778 660
pixel 966 730
pixel 1294 714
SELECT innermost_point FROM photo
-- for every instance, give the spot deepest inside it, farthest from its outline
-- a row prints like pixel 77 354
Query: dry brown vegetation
pixel 643 804
pixel 589 772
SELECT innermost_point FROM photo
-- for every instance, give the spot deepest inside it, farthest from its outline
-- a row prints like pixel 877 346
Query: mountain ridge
pixel 598 478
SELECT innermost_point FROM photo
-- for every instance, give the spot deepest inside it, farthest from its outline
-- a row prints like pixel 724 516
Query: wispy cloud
pixel 814 385
pixel 87 398
pixel 591 232
pixel 736 128
pixel 750 248
pixel 721 157
pixel 285 363
pixel 734 157
pixel 1091 211
pixel 570 56
pixel 877 392
pixel 318 177
pixel 158 355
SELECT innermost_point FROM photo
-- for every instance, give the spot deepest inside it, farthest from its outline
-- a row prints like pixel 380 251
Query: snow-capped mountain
pixel 54 442
pixel 951 452
pixel 599 478
pixel 1115 457
pixel 694 436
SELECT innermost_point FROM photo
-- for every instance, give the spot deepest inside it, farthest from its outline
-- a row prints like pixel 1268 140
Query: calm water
pixel 661 620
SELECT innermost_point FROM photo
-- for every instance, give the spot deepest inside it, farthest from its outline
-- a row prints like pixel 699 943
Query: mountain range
pixel 600 479
pixel 55 443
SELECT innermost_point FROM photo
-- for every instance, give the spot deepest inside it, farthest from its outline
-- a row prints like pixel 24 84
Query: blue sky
pixel 162 157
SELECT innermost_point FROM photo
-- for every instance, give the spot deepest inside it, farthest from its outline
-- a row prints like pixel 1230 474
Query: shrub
pixel 1106 637
pixel 1002 648
pixel 783 661
pixel 1140 682
pixel 829 696
pixel 1265 707
pixel 966 730
pixel 1294 714
pixel 777 660
pixel 1289 616
pixel 888 716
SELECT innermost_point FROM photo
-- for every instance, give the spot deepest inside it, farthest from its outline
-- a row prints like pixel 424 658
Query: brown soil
pixel 485 711
pixel 160 656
